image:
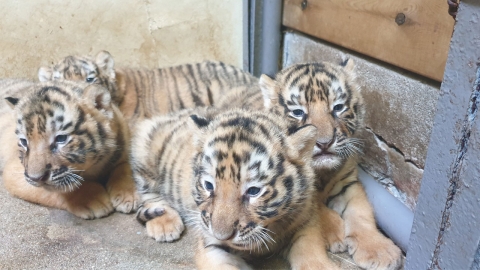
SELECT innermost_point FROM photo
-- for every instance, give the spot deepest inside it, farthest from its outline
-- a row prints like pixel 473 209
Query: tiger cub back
pixel 143 93
pixel 242 179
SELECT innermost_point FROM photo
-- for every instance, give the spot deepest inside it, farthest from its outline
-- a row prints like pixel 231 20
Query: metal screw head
pixel 304 4
pixel 400 18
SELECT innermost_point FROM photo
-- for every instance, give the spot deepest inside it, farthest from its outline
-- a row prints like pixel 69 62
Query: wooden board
pixel 420 44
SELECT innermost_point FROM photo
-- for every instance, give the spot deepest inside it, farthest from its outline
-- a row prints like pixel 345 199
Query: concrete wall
pixel 139 33
pixel 400 110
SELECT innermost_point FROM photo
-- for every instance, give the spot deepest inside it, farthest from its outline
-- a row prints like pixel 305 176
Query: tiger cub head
pixel 252 181
pixel 93 70
pixel 325 95
pixel 63 128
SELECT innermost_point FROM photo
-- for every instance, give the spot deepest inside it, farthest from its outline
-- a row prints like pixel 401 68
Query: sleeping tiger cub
pixel 326 95
pixel 238 177
pixel 61 142
pixel 142 93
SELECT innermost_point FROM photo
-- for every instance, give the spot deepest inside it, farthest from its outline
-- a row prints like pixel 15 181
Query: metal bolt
pixel 304 4
pixel 400 19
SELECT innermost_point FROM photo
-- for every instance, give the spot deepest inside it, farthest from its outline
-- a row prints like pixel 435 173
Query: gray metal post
pixel 262 36
pixel 446 231
pixel 271 37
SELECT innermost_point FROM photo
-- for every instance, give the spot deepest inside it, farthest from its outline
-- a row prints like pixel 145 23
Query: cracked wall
pixel 400 108
pixel 137 33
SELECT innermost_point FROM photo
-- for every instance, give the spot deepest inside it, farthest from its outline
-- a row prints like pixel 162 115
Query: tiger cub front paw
pixel 374 251
pixel 335 243
pixel 90 201
pixel 124 198
pixel 167 227
pixel 121 188
pixel 333 229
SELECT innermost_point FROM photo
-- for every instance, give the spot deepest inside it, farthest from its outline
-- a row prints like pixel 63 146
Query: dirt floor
pixel 36 237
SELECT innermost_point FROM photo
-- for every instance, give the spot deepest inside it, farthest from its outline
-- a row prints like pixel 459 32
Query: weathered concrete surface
pixel 36 237
pixel 139 32
pixel 445 233
pixel 399 114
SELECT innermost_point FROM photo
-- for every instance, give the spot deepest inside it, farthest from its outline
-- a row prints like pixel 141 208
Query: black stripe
pixel 64 127
pixel 192 85
pixel 176 90
pixel 80 120
pixel 341 192
pixel 54 89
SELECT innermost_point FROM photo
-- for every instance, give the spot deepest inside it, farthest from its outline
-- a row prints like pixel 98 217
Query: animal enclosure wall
pixel 138 33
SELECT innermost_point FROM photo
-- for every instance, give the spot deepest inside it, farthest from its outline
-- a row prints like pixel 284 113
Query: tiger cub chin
pixel 142 93
pixel 327 96
pixel 65 145
pixel 242 179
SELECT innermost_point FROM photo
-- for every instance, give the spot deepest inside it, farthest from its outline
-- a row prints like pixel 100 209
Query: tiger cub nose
pixel 38 178
pixel 224 235
pixel 324 145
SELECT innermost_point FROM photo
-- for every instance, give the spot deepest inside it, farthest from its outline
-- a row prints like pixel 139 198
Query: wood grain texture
pixel 420 44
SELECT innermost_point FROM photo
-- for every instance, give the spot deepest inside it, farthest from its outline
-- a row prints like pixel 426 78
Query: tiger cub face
pixel 93 70
pixel 63 129
pixel 252 182
pixel 326 96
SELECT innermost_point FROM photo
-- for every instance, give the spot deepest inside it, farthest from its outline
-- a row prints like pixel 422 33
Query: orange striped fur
pixel 251 181
pixel 142 93
pixel 65 145
pixel 327 96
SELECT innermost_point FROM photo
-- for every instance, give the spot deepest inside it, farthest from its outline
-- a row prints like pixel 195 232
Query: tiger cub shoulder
pixel 63 140
pixel 241 178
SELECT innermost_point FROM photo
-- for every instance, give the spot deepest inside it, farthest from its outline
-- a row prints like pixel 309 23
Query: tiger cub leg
pixel 163 223
pixel 370 248
pixel 121 188
pixel 89 201
pixel 216 258
pixel 333 229
pixel 309 249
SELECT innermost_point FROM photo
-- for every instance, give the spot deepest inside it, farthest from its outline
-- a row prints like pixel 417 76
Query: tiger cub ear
pixel 348 65
pixel 99 96
pixel 198 125
pixel 11 101
pixel 301 142
pixel 269 91
pixel 45 74
pixel 104 61
pixel 199 121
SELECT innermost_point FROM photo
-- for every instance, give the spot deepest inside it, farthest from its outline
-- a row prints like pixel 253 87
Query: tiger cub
pixel 60 143
pixel 327 96
pixel 238 177
pixel 142 93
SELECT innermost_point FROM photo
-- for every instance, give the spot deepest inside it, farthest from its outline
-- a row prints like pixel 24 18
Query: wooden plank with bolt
pixel 411 34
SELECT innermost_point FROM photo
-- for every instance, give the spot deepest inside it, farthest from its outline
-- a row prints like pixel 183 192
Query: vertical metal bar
pixel 246 34
pixel 271 36
pixel 256 36
pixel 445 233
pixel 262 36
